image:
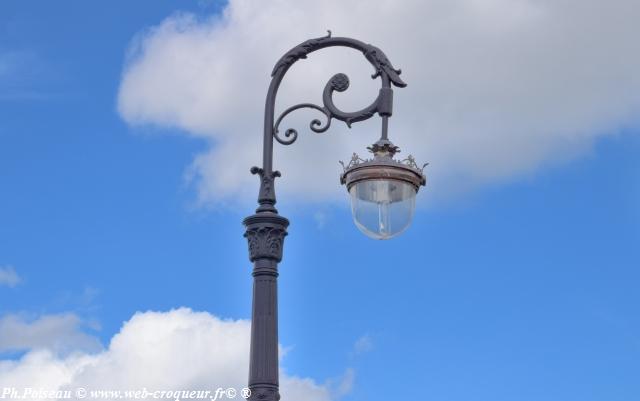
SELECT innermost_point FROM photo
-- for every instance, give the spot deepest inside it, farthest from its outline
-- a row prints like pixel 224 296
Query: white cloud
pixel 175 350
pixel 343 385
pixel 497 88
pixel 9 277
pixel 57 333
pixel 362 345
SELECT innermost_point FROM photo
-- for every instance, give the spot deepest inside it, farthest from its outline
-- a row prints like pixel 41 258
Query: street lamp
pixel 382 190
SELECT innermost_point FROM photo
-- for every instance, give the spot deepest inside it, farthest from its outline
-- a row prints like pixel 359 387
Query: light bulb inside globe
pixel 382 209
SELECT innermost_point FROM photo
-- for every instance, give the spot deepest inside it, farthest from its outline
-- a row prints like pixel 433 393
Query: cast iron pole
pixel 266 229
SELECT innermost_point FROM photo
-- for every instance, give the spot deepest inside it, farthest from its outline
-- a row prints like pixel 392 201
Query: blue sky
pixel 521 288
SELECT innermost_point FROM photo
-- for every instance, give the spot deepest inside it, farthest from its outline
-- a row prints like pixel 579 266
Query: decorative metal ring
pixel 382 170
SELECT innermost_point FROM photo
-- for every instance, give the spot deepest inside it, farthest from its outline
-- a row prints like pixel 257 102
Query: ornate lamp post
pixel 382 190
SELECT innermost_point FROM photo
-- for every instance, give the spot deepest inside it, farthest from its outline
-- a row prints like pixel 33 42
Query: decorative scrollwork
pixel 384 147
pixel 355 160
pixel 411 162
pixel 383 66
pixel 267 191
pixel 290 135
pixel 383 104
pixel 300 52
pixel 376 57
pixel 338 83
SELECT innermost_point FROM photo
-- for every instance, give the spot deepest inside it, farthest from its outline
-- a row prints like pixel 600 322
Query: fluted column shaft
pixel 265 234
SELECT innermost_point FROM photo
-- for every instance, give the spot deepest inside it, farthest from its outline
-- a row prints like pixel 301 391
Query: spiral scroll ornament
pixel 290 135
pixel 338 83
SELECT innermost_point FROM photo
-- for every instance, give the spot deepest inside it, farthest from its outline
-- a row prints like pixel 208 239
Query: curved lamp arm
pixel 339 82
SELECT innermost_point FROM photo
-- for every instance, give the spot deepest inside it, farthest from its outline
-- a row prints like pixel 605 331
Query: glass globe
pixel 382 208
